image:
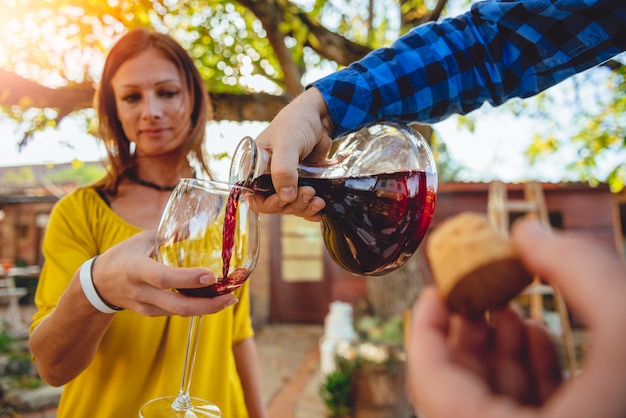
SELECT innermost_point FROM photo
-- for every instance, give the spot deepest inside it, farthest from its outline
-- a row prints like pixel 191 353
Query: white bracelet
pixel 86 282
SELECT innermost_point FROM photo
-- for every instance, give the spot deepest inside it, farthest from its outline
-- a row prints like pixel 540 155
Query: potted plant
pixel 369 378
pixel 336 392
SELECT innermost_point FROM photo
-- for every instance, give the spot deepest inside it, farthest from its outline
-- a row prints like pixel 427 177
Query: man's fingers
pixel 563 260
pixel 433 373
pixel 508 356
pixel 544 361
pixel 592 279
pixel 306 205
pixel 468 340
pixel 285 174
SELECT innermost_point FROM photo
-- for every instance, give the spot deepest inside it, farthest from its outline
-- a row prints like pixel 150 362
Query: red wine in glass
pixel 371 223
pixel 227 283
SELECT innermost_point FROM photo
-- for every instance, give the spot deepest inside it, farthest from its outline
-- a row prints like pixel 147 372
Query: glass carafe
pixel 380 187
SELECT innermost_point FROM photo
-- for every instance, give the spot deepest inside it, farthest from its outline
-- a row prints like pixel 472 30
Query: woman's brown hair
pixel 120 157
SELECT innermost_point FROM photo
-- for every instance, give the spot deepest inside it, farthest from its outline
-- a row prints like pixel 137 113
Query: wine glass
pixel 213 225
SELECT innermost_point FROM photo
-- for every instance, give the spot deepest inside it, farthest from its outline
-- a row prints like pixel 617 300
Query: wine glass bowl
pixel 215 226
pixel 202 230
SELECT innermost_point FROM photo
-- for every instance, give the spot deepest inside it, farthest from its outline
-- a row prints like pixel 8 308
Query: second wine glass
pixel 212 225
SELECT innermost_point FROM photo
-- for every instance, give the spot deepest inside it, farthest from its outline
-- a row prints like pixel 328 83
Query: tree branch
pixel 247 107
pixel 271 15
pixel 19 91
pixel 330 45
pixel 415 16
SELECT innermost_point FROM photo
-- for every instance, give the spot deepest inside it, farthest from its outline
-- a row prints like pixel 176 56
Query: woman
pixel 153 108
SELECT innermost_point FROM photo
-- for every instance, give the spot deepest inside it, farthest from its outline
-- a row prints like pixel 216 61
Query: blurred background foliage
pixel 255 56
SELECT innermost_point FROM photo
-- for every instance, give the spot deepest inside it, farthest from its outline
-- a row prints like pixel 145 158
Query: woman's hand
pixel 508 367
pixel 127 275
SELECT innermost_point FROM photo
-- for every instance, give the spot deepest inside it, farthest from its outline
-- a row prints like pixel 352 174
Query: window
pixel 302 248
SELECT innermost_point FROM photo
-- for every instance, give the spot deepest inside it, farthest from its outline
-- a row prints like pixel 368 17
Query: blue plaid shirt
pixel 496 51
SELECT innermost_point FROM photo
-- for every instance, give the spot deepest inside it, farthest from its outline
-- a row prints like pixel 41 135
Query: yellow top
pixel 140 358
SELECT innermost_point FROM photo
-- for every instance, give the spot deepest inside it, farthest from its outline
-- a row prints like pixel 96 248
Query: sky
pixel 52 146
pixel 69 142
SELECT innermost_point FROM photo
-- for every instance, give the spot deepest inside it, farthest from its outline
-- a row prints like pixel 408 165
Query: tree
pixel 254 55
pixel 598 129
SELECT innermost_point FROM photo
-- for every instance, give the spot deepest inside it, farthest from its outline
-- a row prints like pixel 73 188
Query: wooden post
pixel 499 206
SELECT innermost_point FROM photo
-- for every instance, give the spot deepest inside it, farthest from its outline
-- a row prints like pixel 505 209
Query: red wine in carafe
pixel 372 223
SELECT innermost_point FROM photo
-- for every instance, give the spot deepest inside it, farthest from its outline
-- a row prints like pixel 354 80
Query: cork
pixel 475 268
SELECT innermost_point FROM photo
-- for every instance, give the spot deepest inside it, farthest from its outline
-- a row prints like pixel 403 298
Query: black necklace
pixel 149 184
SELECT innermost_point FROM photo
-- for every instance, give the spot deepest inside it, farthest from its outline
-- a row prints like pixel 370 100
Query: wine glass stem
pixel 183 400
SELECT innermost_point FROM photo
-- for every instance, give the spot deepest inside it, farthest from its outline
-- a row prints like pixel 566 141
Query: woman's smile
pixel 153 132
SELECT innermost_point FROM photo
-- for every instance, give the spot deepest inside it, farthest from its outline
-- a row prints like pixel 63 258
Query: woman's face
pixel 152 103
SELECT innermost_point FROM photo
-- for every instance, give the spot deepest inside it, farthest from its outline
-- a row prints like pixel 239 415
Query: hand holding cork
pixel 475 268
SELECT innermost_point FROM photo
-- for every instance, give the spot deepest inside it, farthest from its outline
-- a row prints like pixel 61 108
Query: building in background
pixel 295 279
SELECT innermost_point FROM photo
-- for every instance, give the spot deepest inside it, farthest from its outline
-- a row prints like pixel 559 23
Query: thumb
pixel 284 172
pixel 588 274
